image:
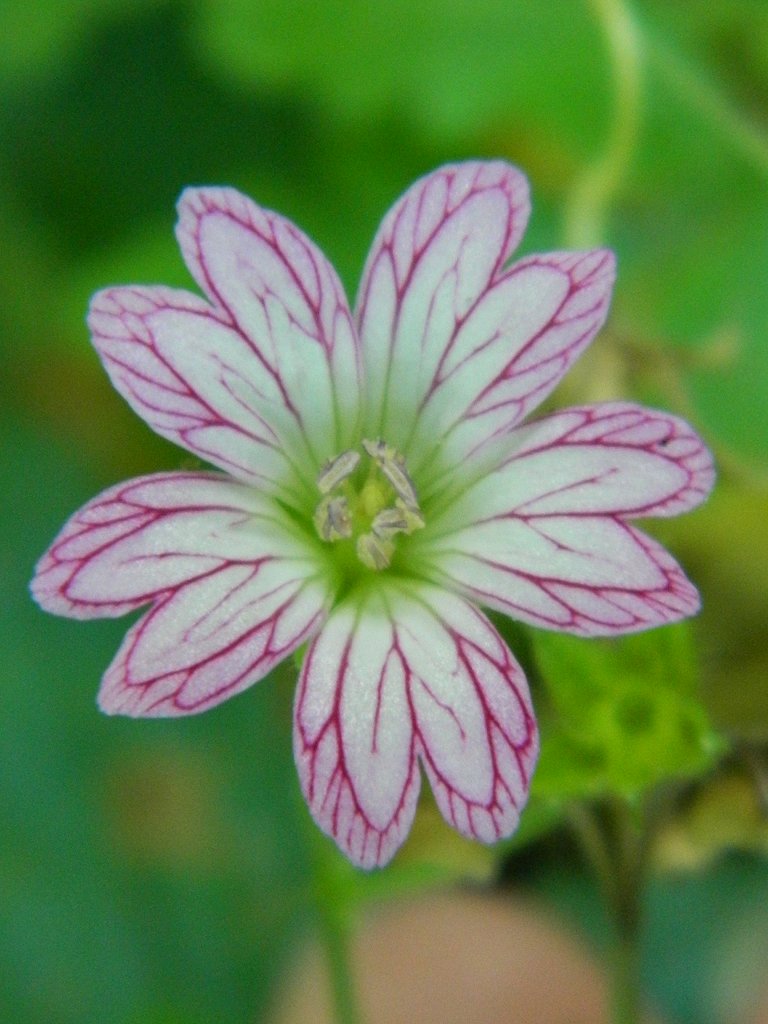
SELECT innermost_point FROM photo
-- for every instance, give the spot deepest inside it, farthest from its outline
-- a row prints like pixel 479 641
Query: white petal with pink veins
pixel 612 459
pixel 212 638
pixel 524 334
pixel 416 672
pixel 282 295
pixel 353 736
pixel 432 259
pixel 591 575
pixel 544 536
pixel 195 380
pixel 473 715
pixel 451 719
pixel 518 307
pixel 456 346
pixel 146 536
pixel 376 735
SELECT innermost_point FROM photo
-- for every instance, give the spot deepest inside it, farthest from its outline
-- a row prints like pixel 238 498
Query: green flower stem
pixel 338 952
pixel 626 989
pixel 591 196
pixel 615 847
pixel 335 902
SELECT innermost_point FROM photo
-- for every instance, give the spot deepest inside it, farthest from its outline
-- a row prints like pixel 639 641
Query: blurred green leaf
pixel 624 713
pixel 38 34
pixel 91 160
pixel 449 66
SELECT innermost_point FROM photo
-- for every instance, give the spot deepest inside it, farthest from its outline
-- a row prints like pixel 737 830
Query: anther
pixel 388 522
pixel 400 519
pixel 375 552
pixel 332 519
pixel 392 465
pixel 382 507
pixel 336 470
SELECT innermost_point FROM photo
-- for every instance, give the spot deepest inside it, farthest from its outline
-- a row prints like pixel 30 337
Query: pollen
pixel 367 501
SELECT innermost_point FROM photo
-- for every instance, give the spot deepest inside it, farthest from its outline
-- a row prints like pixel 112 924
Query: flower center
pixel 368 505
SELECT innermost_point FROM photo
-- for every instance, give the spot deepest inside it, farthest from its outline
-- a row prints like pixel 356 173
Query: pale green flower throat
pixel 370 508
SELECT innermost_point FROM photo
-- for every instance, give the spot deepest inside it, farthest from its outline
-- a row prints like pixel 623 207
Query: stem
pixel 627 913
pixel 615 849
pixel 626 987
pixel 333 898
pixel 337 938
pixel 593 192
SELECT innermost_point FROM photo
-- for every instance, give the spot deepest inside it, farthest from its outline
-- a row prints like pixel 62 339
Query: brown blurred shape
pixel 459 959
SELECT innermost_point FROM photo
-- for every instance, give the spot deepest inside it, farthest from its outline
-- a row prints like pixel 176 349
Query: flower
pixel 377 487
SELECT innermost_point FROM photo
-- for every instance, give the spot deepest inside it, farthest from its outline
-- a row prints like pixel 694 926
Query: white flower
pixel 378 485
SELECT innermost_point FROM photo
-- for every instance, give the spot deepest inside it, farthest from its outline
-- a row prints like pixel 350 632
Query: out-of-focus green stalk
pixel 337 946
pixel 333 900
pixel 592 194
pixel 615 847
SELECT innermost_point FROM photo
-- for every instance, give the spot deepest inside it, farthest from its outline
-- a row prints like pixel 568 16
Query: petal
pixel 526 331
pixel 455 346
pixel 434 256
pixel 282 295
pixel 353 737
pixel 473 715
pixel 195 380
pixel 404 674
pixel 590 575
pixel 617 458
pixel 212 638
pixel 144 537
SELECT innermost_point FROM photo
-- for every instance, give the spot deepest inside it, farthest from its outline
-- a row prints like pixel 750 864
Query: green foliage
pixel 159 869
pixel 372 60
pixel 623 714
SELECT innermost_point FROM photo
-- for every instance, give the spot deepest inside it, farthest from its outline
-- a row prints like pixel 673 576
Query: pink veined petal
pixel 212 638
pixel 407 675
pixel 456 346
pixel 434 256
pixel 614 459
pixel 353 735
pixel 526 331
pixel 583 574
pixel 280 293
pixel 234 589
pixel 478 739
pixel 147 536
pixel 197 381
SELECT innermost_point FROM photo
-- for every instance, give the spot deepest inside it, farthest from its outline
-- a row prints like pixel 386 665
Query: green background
pixel 160 869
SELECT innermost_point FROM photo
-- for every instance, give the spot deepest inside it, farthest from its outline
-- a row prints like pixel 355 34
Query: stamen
pixel 332 519
pixel 392 465
pixel 374 552
pixel 385 505
pixel 336 470
pixel 388 522
pixel 414 519
pixel 375 549
pixel 399 519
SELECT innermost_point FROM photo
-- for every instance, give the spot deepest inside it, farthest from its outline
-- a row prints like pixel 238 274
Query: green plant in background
pixel 632 730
